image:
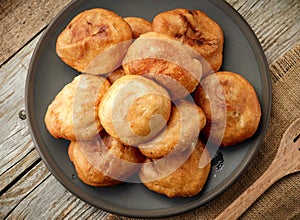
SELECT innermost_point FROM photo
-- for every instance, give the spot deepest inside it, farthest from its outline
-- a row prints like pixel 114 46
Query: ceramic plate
pixel 48 74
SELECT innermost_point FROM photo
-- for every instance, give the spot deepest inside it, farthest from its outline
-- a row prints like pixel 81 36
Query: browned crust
pixel 242 107
pixel 118 73
pixel 108 156
pixel 183 128
pixel 131 121
pixel 188 180
pixel 89 34
pixel 163 72
pixel 138 26
pixel 73 114
pixel 172 64
pixel 85 171
pixel 196 29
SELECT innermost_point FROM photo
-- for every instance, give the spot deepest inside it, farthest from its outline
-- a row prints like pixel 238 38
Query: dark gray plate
pixel 48 74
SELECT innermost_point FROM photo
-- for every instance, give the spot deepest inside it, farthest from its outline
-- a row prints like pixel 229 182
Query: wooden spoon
pixel 286 161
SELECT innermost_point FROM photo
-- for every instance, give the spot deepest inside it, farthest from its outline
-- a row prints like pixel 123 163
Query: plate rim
pixel 58 173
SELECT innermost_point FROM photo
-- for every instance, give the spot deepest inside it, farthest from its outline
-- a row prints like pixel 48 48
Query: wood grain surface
pixel 22 20
pixel 25 182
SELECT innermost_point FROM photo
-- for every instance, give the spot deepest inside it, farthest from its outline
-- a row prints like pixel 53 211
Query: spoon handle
pixel 243 202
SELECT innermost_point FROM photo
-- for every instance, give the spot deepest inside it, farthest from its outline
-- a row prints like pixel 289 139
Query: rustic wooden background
pixel 27 188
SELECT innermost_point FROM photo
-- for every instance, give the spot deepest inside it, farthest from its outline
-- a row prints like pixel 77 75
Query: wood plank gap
pixel 28 193
pixel 24 198
pixel 22 158
pixel 18 168
pixel 254 4
pixel 19 176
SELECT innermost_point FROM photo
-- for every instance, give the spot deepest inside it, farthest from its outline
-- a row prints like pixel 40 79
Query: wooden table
pixel 27 188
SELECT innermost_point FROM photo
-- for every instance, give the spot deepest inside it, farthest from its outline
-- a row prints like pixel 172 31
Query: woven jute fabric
pixel 282 199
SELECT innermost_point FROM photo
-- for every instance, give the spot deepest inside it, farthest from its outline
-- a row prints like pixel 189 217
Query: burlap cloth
pixel 282 200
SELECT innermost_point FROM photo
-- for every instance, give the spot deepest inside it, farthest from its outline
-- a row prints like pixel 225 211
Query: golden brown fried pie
pixel 231 106
pixel 183 128
pixel 196 29
pixel 139 118
pixel 188 178
pixel 73 114
pixel 138 26
pixel 104 161
pixel 134 109
pixel 169 62
pixel 94 42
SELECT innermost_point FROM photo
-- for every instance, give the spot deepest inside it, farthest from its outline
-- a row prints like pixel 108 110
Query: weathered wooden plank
pixel 18 154
pixel 11 198
pixel 47 197
pixel 276 29
pixel 15 148
pixel 15 140
pixel 276 23
pixel 21 20
pixel 17 170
